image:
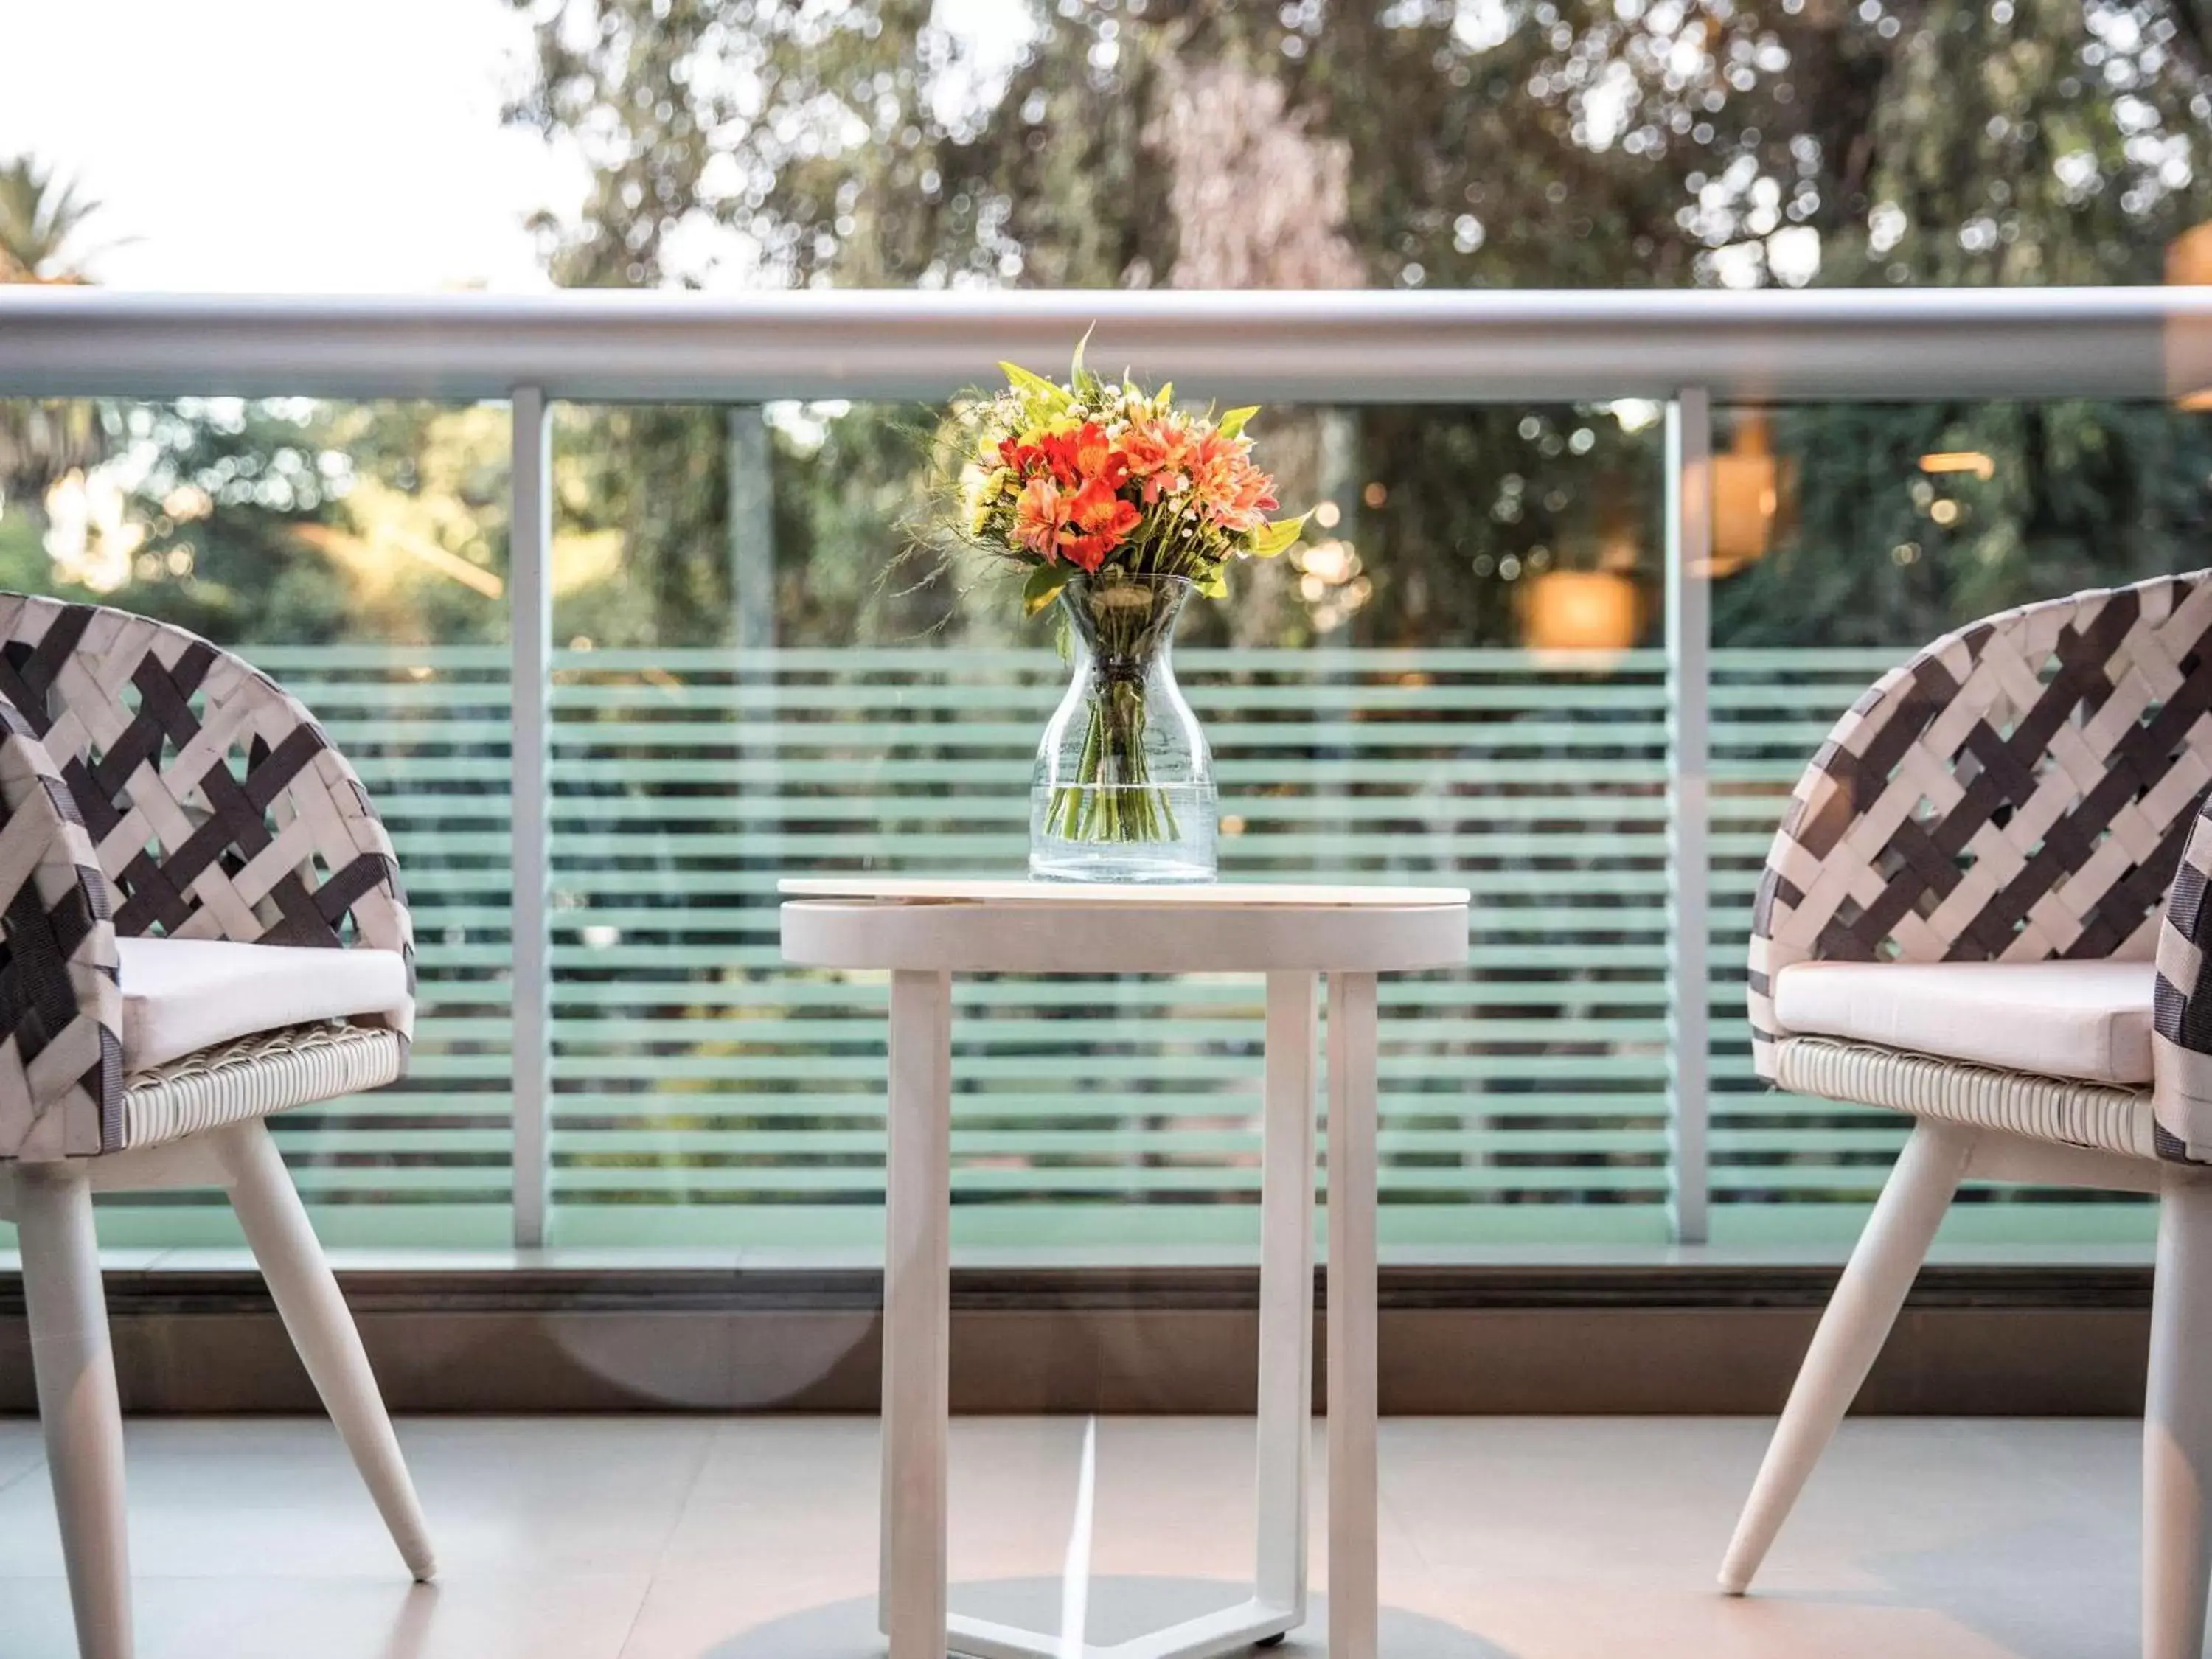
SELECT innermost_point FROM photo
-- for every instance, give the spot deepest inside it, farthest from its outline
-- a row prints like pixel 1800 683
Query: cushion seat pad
pixel 181 995
pixel 2087 1021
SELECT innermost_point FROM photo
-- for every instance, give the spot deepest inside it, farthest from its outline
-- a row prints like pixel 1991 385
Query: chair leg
pixel 1850 1334
pixel 2178 1426
pixel 78 1406
pixel 322 1329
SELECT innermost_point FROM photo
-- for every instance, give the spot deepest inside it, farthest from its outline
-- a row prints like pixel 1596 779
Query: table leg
pixel 1352 1316
pixel 1286 1251
pixel 917 1336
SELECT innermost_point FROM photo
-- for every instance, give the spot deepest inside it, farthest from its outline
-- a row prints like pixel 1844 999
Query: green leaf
pixel 1232 423
pixel 1038 389
pixel 1043 587
pixel 1214 585
pixel 1077 376
pixel 1163 400
pixel 1270 539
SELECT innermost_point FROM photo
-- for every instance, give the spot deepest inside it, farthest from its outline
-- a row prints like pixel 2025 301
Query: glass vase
pixel 1123 789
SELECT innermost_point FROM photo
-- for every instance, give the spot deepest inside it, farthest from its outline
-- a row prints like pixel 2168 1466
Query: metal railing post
pixel 530 561
pixel 1689 640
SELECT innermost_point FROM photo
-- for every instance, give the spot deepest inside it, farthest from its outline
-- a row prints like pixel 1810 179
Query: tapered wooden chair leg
pixel 78 1406
pixel 2178 1426
pixel 1850 1334
pixel 321 1326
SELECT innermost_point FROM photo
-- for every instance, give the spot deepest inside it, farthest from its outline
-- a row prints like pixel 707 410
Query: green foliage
pixel 1043 587
pixel 1421 143
pixel 252 523
pixel 656 476
pixel 2040 142
pixel 1600 142
pixel 2077 493
pixel 42 221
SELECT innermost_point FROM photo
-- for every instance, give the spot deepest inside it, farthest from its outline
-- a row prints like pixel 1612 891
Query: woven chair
pixel 201 924
pixel 1985 907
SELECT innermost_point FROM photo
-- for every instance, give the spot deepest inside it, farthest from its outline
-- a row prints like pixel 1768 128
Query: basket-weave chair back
pixel 2021 790
pixel 216 805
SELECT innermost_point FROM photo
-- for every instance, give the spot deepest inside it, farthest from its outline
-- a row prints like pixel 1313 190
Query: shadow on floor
pixel 1120 1610
pixel 2043 1591
pixel 410 1625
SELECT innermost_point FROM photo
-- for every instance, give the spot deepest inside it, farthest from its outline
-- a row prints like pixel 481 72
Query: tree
pixel 232 517
pixel 42 222
pixel 1640 142
pixel 2033 140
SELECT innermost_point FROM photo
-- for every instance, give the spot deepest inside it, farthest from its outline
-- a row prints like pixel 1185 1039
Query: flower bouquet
pixel 1119 505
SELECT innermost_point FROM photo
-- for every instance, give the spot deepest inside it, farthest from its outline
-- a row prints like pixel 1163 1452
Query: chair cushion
pixel 2088 1020
pixel 181 995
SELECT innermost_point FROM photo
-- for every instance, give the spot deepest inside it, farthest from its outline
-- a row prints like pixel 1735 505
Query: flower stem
pixel 1111 797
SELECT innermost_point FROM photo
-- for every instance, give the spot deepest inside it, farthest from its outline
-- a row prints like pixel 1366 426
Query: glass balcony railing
pixel 591 817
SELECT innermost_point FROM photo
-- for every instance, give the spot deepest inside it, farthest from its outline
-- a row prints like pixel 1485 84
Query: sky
pixel 312 146
pixel 286 146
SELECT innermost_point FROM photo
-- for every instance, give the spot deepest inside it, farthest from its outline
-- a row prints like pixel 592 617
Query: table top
pixel 1075 895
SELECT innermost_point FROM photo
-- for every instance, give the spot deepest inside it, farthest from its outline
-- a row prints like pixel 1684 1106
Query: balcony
pixel 613 1058
pixel 638 1165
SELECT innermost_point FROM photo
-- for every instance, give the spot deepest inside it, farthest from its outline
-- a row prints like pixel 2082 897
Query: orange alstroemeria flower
pixel 1230 491
pixel 1102 520
pixel 1083 455
pixel 1159 451
pixel 1041 516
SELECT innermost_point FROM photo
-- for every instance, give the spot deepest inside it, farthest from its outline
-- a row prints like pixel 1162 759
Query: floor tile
pixel 571 1616
pixel 695 1538
pixel 277 1497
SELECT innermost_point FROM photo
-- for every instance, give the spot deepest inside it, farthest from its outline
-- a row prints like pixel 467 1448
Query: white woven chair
pixel 1985 907
pixel 201 924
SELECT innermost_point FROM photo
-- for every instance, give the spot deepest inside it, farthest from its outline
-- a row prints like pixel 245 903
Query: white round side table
pixel 925 932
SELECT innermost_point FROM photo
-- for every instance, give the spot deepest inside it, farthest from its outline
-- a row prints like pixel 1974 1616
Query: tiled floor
pixel 756 1539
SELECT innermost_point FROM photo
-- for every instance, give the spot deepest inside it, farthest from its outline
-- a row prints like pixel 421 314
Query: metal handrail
pixel 1336 346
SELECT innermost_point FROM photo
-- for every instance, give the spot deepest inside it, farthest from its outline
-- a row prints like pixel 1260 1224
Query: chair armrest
pixel 2020 790
pixel 216 805
pixel 61 1010
pixel 2181 1009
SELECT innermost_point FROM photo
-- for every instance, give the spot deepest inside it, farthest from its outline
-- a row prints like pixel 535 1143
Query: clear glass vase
pixel 1123 789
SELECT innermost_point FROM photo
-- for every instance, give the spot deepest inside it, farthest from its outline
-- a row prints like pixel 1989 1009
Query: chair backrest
pixel 2020 790
pixel 216 805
